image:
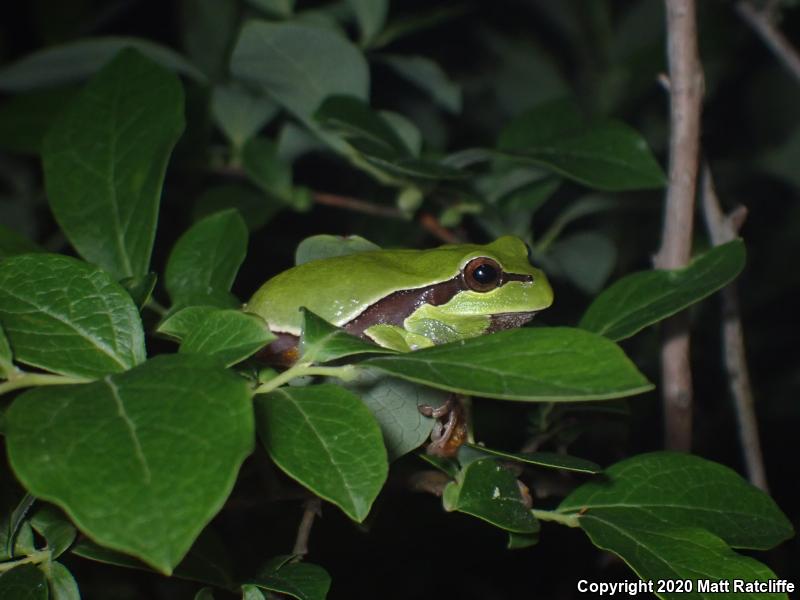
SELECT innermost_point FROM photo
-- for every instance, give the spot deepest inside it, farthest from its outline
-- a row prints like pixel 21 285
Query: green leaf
pixel 25 582
pixel 12 243
pixel 551 460
pixel 365 129
pixel 325 438
pixel 62 584
pixel 662 553
pixel 251 592
pixel 256 208
pixel 321 342
pixel 105 158
pixel 65 316
pixel 11 527
pixel 371 17
pixel 207 561
pixel 229 335
pixel 327 246
pixel 205 593
pixel 586 258
pixel 6 356
pixel 55 528
pixel 280 8
pixel 395 404
pixel 683 491
pixel 78 60
pixel 405 129
pixel 207 31
pixel 25 119
pixel 156 463
pixel 428 76
pixel 641 299
pixel 517 541
pixel 140 288
pixel 606 155
pixel 269 171
pixel 299 65
pixel 301 580
pixel 486 490
pixel 239 112
pixel 182 322
pixel 206 258
pixel 540 364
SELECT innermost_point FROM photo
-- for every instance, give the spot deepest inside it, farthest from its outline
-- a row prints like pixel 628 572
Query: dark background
pixel 508 55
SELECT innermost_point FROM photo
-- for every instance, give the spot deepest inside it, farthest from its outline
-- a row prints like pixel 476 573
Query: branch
pixel 763 23
pixel 312 508
pixel 354 204
pixel 685 90
pixel 723 228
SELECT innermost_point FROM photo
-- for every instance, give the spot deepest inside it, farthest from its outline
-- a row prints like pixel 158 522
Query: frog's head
pixel 499 281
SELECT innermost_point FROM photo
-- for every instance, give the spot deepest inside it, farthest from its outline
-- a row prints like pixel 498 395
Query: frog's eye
pixel 482 274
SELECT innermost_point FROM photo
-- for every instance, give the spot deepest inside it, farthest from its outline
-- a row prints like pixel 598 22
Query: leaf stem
pixel 156 307
pixel 345 373
pixel 21 379
pixel 556 517
pixel 35 558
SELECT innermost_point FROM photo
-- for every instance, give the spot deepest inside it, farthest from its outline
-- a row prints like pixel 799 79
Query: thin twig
pixel 431 482
pixel 763 23
pixel 354 204
pixel 432 225
pixel 312 508
pixel 685 91
pixel 723 228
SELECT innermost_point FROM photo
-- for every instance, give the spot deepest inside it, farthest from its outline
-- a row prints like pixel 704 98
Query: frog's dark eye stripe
pixel 482 274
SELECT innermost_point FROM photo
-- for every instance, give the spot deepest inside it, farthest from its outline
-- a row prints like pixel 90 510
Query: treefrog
pixel 406 299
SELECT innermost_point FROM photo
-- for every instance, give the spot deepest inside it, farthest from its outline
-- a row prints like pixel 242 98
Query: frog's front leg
pixel 450 430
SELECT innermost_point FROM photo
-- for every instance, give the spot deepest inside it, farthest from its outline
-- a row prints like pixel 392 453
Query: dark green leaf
pixel 208 561
pixel 644 298
pixel 658 552
pixel 530 364
pixel 395 404
pixel 322 342
pixel 182 322
pixel 207 256
pixel 606 155
pixel 550 460
pixel 11 524
pixel 683 491
pixel 371 17
pixel 299 65
pixel 239 112
pixel 55 528
pixel 62 584
pixel 25 582
pixel 78 60
pixel 105 158
pixel 300 580
pixel 205 593
pixel 362 127
pixel 326 246
pixel 229 335
pixel 486 490
pixel 140 288
pixel 324 437
pixel 65 316
pixel 280 8
pixel 428 76
pixel 207 30
pixel 405 129
pixel 269 171
pixel 256 208
pixel 6 356
pixel 12 243
pixel 251 592
pixel 157 461
pixel 586 259
pixel 25 119
pixel 517 541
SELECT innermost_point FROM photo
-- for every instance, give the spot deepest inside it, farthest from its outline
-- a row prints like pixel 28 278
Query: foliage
pixel 141 415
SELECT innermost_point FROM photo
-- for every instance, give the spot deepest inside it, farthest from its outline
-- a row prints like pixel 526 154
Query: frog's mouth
pixel 509 320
